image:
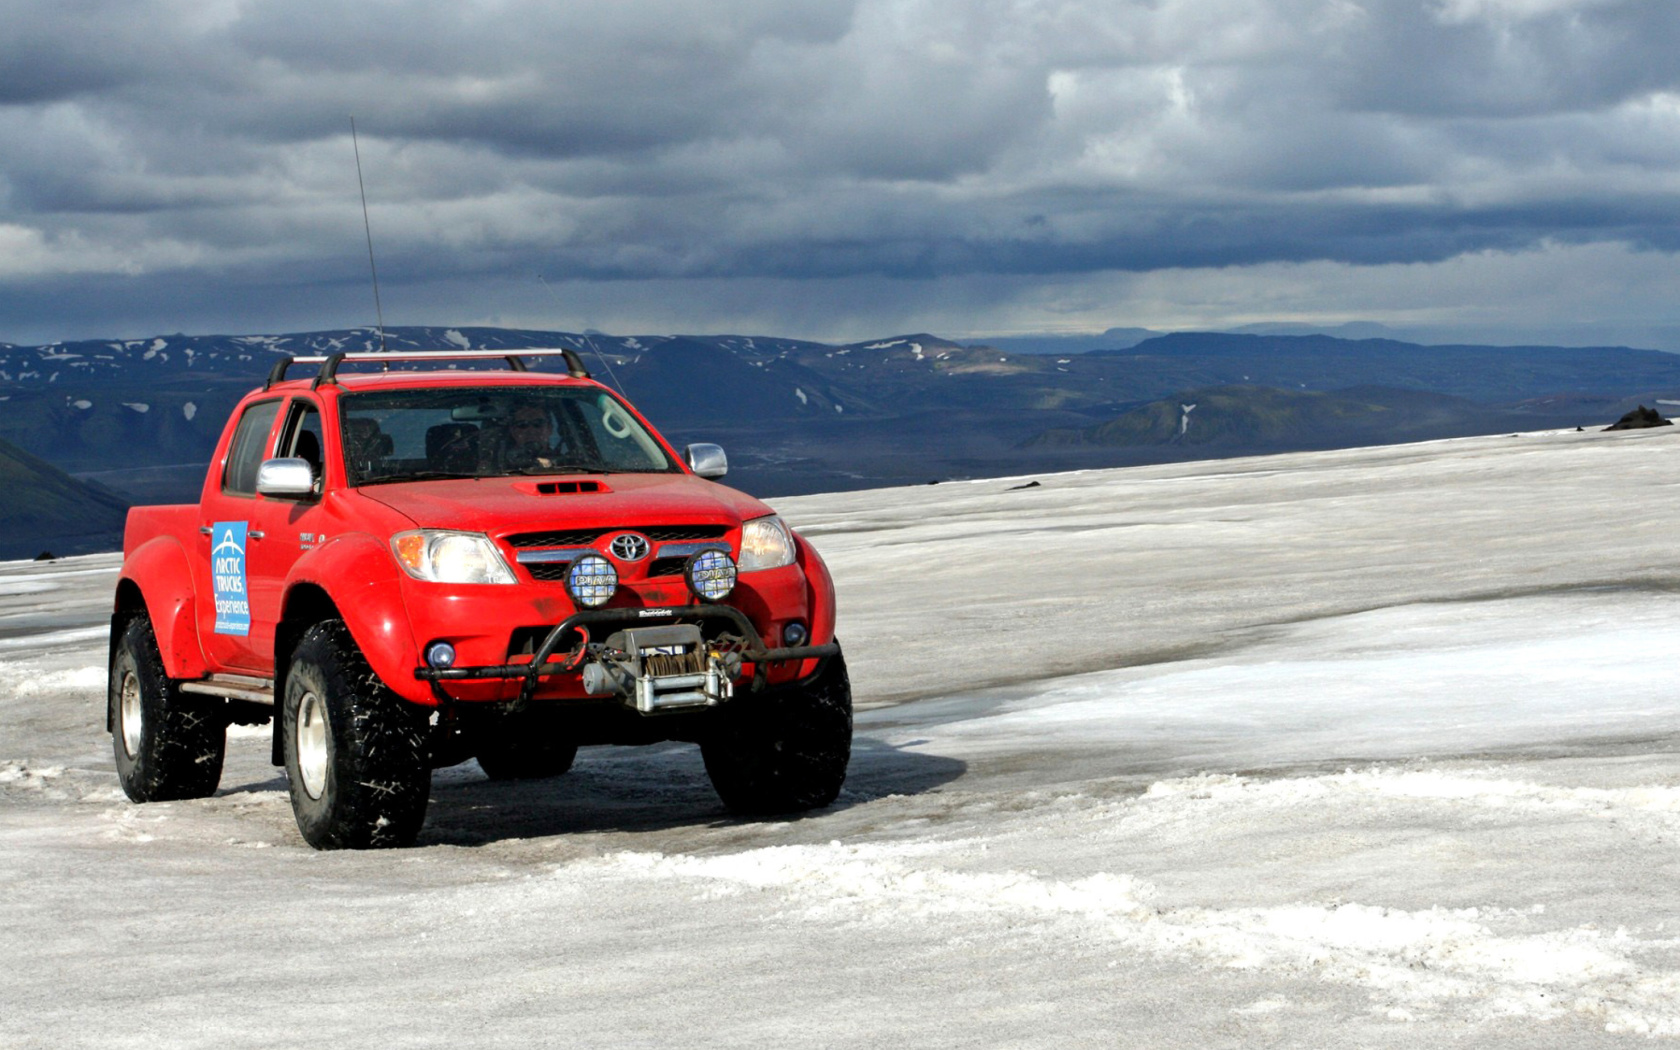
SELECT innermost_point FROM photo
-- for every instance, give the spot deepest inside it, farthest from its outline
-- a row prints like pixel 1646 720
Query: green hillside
pixel 46 509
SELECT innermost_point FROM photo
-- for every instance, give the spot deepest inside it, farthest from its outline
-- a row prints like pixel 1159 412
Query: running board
pixel 234 687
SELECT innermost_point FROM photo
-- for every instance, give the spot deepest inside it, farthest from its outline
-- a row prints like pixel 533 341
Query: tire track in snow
pixel 1485 963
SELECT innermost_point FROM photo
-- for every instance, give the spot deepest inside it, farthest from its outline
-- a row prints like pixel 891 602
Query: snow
pixel 138 406
pixel 81 404
pixel 1372 747
pixel 455 338
pixel 797 392
pixel 189 410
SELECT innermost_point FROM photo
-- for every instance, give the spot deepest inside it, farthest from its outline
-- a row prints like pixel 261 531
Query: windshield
pixel 482 432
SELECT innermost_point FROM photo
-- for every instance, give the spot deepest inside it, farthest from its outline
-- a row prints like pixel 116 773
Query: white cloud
pixel 1459 11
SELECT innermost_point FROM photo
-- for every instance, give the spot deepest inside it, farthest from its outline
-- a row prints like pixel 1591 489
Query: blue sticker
pixel 227 573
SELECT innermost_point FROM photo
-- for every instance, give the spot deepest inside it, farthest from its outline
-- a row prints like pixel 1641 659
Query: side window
pixel 302 437
pixel 246 453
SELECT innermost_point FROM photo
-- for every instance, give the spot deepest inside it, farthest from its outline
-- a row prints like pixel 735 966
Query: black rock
pixel 46 556
pixel 1028 485
pixel 1639 419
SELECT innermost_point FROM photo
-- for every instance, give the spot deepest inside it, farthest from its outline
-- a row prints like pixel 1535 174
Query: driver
pixel 530 441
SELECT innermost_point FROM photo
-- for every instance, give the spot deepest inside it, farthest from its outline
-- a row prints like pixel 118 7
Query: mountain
pixel 142 416
pixel 1254 418
pixel 45 508
pixel 1112 339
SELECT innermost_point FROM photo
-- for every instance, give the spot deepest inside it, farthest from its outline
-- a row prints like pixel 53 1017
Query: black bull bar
pixel 543 663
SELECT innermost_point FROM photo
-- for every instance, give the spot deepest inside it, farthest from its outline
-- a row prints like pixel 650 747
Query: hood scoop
pixel 568 488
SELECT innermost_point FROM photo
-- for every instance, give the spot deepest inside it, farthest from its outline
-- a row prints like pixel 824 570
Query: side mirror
pixel 708 461
pixel 287 478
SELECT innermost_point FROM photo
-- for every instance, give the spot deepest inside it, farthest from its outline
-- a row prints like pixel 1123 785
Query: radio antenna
pixel 590 342
pixel 378 311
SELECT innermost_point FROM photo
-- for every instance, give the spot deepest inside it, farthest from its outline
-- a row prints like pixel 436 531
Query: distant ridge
pixel 143 415
pixel 45 508
pixel 1254 418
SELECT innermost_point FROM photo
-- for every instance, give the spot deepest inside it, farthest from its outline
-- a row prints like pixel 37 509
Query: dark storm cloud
pixel 191 152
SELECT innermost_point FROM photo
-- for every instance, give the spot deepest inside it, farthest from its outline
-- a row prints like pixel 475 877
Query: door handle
pixel 254 534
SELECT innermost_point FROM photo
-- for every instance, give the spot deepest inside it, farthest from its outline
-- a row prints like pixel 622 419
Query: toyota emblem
pixel 628 547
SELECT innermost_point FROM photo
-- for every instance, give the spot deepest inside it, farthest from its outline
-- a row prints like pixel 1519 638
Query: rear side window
pixel 250 445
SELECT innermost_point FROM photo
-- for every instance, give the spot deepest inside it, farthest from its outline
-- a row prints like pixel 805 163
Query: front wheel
pixel 783 750
pixel 356 753
pixel 168 744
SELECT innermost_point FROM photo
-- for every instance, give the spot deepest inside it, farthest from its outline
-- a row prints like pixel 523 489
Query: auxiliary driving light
pixel 441 655
pixel 710 574
pixel 591 581
pixel 794 634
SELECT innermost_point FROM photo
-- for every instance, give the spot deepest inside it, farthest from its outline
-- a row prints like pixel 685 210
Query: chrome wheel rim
pixel 312 744
pixel 129 700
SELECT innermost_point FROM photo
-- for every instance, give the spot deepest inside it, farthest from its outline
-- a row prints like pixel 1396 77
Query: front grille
pixel 558 538
pixel 666 566
pixel 586 537
pixel 670 533
pixel 549 571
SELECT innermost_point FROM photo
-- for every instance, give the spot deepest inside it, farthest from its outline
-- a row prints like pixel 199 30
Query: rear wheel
pixel 168 744
pixel 356 753
pixel 783 750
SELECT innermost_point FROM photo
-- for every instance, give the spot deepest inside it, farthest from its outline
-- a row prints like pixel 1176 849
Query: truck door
pixel 290 526
pixel 227 533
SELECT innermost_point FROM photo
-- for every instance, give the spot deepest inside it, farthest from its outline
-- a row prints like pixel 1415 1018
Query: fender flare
pixel 819 598
pixel 363 586
pixel 819 592
pixel 160 571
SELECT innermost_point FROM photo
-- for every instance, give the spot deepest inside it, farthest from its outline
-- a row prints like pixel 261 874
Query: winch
pixel 661 668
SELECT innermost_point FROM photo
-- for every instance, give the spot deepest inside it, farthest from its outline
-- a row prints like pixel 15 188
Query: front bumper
pixel 544 663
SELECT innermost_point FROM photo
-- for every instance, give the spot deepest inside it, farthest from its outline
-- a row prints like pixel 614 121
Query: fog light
pixel 591 581
pixel 794 634
pixel 441 655
pixel 710 574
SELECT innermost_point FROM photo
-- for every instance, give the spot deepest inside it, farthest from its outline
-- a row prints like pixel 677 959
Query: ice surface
pixel 1371 748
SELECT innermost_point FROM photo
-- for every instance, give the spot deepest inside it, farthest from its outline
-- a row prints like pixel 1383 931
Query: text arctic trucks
pixel 405 569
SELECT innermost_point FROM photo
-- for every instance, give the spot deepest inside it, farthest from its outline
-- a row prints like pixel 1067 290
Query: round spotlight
pixel 441 655
pixel 795 634
pixel 591 581
pixel 710 574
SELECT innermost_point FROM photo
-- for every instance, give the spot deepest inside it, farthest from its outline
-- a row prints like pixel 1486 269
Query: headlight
pixel 711 575
pixel 765 544
pixel 438 556
pixel 591 581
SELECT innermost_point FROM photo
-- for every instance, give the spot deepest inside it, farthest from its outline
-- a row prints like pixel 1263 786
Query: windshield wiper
pixel 563 468
pixel 421 475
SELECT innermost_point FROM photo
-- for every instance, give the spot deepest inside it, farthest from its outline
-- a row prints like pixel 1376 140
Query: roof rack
pixel 329 362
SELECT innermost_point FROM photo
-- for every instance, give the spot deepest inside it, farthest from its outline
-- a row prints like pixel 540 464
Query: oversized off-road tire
pixel 526 746
pixel 168 744
pixel 356 752
pixel 783 750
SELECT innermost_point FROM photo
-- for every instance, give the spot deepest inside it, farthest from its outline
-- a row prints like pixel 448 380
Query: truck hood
pixel 503 505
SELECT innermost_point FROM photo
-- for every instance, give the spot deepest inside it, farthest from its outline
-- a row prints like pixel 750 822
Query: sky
pixel 839 169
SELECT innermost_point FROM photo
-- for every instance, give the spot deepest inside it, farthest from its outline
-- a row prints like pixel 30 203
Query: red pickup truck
pixel 404 569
